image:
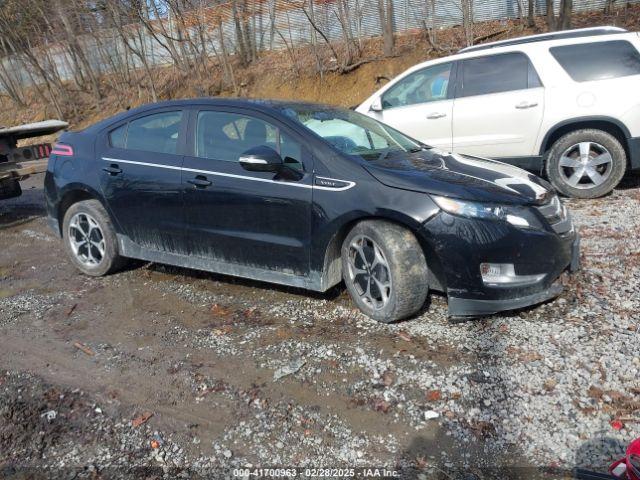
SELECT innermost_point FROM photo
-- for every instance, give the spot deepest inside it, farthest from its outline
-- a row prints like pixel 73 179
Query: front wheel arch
pixel 385 270
pixel 331 272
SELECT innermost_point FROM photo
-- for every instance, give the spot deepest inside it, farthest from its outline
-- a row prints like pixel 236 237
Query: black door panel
pixel 143 188
pixel 247 217
pixel 258 219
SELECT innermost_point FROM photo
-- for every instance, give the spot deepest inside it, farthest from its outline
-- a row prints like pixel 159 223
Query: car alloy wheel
pixel 585 165
pixel 86 239
pixel 369 272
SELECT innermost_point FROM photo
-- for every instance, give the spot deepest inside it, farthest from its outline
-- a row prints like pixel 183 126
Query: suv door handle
pixel 199 182
pixel 523 105
pixel 112 169
pixel 434 115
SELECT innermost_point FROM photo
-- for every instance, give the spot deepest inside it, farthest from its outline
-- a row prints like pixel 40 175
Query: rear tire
pixel 385 270
pixel 586 163
pixel 90 240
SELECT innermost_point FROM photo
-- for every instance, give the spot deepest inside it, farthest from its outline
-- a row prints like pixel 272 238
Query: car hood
pixel 460 176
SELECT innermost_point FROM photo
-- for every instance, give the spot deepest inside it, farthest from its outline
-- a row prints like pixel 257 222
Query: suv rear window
pixel 599 60
pixel 497 73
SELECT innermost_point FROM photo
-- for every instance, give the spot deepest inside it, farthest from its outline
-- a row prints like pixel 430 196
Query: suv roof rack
pixel 576 33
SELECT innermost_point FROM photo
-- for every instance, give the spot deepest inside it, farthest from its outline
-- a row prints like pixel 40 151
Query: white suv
pixel 566 104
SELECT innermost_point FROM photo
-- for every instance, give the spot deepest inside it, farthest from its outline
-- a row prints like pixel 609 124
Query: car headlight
pixel 518 216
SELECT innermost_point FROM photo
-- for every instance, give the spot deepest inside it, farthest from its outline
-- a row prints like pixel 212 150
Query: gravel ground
pixel 239 373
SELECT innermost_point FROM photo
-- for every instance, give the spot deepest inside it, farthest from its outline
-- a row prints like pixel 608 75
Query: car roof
pixel 522 44
pixel 263 105
pixel 542 37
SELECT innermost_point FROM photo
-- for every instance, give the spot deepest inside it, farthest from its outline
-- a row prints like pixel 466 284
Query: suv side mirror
pixel 376 105
pixel 261 159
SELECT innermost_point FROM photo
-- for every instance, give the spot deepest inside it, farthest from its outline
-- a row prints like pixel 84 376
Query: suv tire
pixel 385 270
pixel 586 163
pixel 90 240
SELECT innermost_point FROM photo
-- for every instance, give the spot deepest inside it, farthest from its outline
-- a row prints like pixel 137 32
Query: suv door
pixel 255 219
pixel 498 108
pixel 140 178
pixel 421 105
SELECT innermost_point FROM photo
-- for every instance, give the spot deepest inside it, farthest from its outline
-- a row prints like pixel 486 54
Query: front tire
pixel 586 163
pixel 385 270
pixel 90 240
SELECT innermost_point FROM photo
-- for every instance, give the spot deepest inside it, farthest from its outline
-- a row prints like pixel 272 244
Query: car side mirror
pixel 376 105
pixel 261 159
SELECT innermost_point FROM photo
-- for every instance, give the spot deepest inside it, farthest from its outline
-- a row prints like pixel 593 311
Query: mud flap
pixel 9 188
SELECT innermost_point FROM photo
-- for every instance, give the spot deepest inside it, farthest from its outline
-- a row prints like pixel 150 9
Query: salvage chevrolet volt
pixel 308 195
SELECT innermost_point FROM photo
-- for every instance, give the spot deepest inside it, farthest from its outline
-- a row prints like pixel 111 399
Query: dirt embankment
pixel 293 74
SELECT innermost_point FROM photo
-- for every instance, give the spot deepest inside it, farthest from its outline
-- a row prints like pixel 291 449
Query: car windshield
pixel 352 132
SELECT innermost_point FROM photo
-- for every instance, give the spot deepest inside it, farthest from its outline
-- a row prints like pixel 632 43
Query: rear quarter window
pixel 118 137
pixel 598 60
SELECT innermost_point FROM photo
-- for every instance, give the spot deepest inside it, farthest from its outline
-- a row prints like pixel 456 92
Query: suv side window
pixel 427 85
pixel 226 136
pixel 504 72
pixel 157 132
pixel 598 60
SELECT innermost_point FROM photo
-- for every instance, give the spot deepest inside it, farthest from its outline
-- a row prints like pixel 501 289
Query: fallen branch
pixel 136 422
pixel 350 68
pixel 84 348
pixel 489 36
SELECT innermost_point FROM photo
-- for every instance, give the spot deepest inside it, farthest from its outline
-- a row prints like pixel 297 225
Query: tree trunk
pixel 608 6
pixel 531 22
pixel 551 17
pixel 228 69
pixel 241 47
pixel 565 14
pixel 385 11
pixel 467 20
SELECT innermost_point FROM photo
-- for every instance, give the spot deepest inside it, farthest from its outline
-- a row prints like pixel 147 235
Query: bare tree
pixel 245 38
pixel 566 7
pixel 467 20
pixel 563 20
pixel 551 17
pixel 531 21
pixel 351 44
pixel 82 66
pixel 608 6
pixel 385 12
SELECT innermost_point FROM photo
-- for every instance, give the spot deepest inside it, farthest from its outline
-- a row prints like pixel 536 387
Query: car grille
pixel 556 214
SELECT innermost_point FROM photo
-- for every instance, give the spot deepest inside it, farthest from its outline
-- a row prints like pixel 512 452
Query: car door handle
pixel 523 105
pixel 199 182
pixel 112 169
pixel 435 115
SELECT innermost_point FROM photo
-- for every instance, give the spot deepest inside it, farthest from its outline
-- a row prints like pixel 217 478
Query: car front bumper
pixel 461 245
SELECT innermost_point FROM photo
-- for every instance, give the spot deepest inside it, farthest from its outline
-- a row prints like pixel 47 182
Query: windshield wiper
pixel 383 155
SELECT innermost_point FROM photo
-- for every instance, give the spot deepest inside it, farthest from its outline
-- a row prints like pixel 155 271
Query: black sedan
pixel 307 195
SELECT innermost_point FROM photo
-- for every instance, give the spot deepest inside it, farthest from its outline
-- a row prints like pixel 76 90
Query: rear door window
pixel 598 60
pixel 497 73
pixel 157 132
